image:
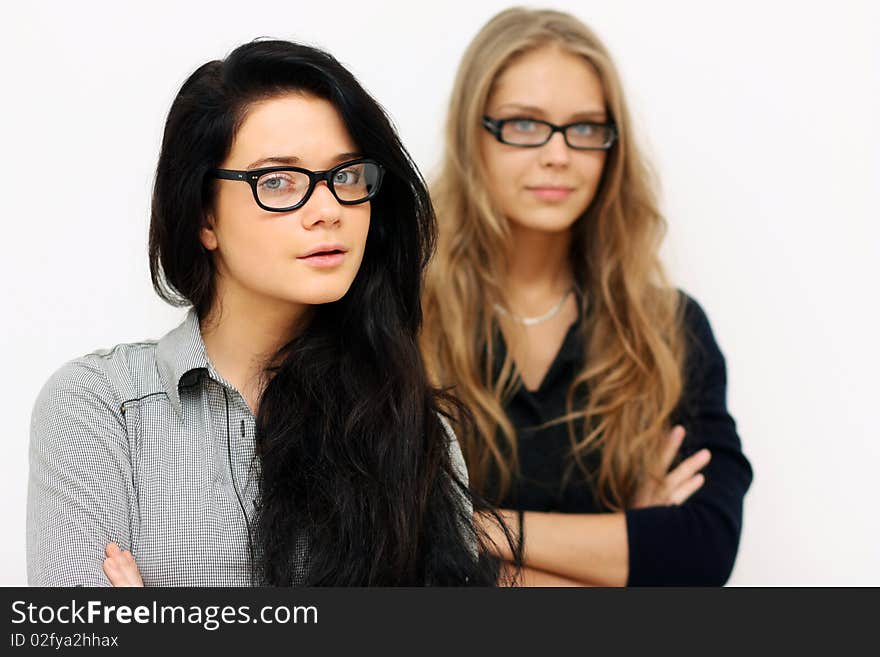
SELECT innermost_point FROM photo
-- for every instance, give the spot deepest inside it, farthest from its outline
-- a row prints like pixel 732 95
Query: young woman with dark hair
pixel 286 432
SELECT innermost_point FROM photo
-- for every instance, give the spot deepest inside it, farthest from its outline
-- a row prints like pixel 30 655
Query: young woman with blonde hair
pixel 597 388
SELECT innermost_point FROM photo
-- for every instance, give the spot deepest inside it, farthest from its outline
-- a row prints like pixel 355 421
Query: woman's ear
pixel 207 236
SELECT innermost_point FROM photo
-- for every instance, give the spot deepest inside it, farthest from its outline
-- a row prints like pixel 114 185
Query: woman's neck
pixel 539 269
pixel 242 334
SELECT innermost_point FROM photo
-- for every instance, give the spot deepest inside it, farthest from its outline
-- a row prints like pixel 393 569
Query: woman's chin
pixel 320 295
pixel 546 222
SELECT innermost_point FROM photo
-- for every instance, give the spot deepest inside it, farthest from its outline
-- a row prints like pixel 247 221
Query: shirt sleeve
pixel 457 459
pixel 695 544
pixel 460 467
pixel 80 490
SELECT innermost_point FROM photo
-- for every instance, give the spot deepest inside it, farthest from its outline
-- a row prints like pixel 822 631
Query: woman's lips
pixel 328 259
pixel 550 193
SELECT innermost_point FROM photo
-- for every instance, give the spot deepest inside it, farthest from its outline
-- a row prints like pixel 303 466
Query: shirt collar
pixel 178 353
pixel 570 351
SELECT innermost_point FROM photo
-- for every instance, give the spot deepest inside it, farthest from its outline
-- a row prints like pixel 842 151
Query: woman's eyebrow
pixel 537 111
pixel 351 155
pixel 521 108
pixel 291 160
pixel 589 116
pixel 274 159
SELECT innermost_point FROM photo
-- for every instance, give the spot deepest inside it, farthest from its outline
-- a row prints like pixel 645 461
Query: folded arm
pixel 80 491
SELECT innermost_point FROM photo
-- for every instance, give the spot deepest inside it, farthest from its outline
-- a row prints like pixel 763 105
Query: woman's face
pixel 263 255
pixel 548 187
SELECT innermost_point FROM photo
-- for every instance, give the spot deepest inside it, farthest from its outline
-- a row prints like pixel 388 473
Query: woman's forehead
pixel 294 126
pixel 549 79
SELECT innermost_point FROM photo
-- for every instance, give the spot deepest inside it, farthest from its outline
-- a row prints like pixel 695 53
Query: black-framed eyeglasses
pixel 531 133
pixel 285 188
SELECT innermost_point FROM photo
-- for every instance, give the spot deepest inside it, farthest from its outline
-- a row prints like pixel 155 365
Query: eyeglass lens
pixel 283 189
pixel 579 135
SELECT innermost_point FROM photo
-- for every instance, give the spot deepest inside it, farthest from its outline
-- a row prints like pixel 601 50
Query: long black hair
pixel 355 461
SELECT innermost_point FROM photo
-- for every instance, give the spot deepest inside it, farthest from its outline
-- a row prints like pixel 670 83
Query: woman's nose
pixel 321 208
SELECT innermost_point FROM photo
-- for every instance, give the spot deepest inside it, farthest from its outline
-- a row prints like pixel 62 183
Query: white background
pixel 761 118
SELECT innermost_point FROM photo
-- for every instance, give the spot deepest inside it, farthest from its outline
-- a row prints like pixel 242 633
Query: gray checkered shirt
pixel 145 444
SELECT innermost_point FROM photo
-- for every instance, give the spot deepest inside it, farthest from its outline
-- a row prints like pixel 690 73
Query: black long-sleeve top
pixel 692 544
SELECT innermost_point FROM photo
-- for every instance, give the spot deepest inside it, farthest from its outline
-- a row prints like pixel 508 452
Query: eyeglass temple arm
pixel 230 174
pixel 491 124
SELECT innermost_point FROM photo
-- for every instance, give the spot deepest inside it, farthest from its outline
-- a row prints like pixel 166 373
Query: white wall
pixel 760 116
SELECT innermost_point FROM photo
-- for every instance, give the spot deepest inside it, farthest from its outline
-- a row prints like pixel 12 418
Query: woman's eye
pixel 524 125
pixel 346 177
pixel 276 183
pixel 583 129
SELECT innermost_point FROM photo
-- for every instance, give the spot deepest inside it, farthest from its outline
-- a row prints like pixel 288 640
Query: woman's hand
pixel 673 488
pixel 120 568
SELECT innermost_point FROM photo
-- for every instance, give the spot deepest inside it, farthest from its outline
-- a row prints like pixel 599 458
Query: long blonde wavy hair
pixel 633 330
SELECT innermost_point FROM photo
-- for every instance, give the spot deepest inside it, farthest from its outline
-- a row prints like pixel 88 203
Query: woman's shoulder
pixel 455 453
pixel 693 314
pixel 704 359
pixel 695 322
pixel 103 378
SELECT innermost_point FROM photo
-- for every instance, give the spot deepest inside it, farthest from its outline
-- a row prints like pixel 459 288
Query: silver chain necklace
pixel 531 321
